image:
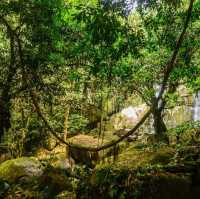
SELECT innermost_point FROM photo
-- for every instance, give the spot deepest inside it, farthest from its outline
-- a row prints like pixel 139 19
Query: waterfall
pixel 196 107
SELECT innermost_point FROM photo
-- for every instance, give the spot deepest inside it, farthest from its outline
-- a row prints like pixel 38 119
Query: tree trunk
pixel 4 114
pixel 5 98
pixel 159 124
pixel 66 126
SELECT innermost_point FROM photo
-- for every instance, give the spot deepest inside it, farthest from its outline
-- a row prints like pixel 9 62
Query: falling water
pixel 196 108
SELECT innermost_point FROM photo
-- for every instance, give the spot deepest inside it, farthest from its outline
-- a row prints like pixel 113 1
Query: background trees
pixel 162 23
pixel 67 67
pixel 76 55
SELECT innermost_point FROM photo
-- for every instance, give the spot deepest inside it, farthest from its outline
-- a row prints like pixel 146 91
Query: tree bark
pixel 5 98
pixel 66 126
pixel 159 126
pixel 4 114
pixel 158 123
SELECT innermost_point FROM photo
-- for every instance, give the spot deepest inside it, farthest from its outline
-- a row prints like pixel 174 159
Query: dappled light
pixel 99 99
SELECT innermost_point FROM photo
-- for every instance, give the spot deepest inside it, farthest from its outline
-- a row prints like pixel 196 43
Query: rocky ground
pixel 139 169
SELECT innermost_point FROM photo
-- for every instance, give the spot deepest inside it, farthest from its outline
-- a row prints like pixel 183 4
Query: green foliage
pixel 188 126
pixel 77 123
pixel 81 54
pixel 86 57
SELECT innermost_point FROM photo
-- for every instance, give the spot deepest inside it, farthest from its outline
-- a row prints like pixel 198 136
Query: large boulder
pixel 83 156
pixel 55 181
pixel 13 170
pixel 62 162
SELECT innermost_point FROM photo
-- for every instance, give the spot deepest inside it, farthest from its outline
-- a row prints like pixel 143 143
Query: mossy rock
pixel 82 156
pixel 66 195
pixel 162 156
pixel 134 156
pixel 115 183
pixel 166 186
pixel 189 153
pixel 13 170
pixel 55 181
pixel 63 163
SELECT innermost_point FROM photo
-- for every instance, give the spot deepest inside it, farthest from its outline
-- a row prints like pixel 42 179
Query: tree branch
pixel 169 68
pixel 179 42
pixel 92 149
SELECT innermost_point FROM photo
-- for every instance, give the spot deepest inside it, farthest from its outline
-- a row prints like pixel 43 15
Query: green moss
pixel 109 182
pixel 12 170
pixel 134 156
pixel 55 181
pixel 162 156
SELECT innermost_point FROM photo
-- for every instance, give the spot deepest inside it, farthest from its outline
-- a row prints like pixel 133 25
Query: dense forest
pixel 99 99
